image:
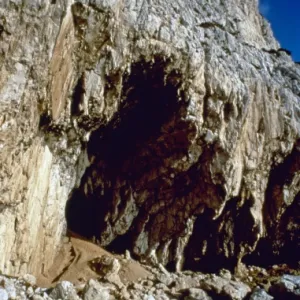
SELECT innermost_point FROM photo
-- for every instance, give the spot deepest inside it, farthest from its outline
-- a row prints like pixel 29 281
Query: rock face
pixel 169 128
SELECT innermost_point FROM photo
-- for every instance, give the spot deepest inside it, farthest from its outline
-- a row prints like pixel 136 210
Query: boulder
pixel 64 290
pixel 287 287
pixel 95 291
pixel 197 294
pixel 260 294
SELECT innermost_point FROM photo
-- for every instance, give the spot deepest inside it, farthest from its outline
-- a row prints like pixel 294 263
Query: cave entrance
pixel 122 152
pixel 282 244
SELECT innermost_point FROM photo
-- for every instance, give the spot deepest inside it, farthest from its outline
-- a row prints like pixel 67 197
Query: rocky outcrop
pixel 163 127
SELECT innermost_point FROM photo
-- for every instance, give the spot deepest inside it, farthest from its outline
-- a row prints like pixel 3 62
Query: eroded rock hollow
pixel 170 129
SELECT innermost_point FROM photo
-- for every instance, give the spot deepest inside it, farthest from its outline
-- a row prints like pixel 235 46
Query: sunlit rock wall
pixel 162 122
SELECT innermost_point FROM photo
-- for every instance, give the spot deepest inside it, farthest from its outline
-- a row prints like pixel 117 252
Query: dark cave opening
pixel 281 245
pixel 142 135
pixel 147 103
pixel 150 99
pixel 215 244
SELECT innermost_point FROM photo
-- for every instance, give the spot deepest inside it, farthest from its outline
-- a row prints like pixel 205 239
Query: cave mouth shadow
pixel 282 245
pixel 150 98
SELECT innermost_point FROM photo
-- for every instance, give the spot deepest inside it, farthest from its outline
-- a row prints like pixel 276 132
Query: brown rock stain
pixel 61 66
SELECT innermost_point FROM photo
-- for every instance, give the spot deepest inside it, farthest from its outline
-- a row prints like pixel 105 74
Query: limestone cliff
pixel 170 128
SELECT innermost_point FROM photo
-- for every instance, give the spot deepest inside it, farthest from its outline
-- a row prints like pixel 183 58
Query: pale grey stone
pixel 286 286
pixel 29 279
pixel 3 294
pixel 197 294
pixel 94 291
pixel 29 291
pixel 9 285
pixel 224 287
pixel 64 290
pixel 37 297
pixel 149 297
pixel 260 294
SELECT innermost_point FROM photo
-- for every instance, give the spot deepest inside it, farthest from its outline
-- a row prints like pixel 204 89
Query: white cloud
pixel 264 7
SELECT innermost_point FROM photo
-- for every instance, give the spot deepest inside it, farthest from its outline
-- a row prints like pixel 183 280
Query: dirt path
pixel 72 264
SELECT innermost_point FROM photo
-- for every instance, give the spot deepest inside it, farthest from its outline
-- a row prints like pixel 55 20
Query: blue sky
pixel 284 16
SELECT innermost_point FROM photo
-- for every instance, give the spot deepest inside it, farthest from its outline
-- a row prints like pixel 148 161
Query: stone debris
pixel 127 255
pixel 287 287
pixel 182 286
pixel 260 294
pixel 95 291
pixel 29 279
pixel 9 286
pixel 197 294
pixel 106 265
pixel 3 294
pixel 64 290
pixel 224 287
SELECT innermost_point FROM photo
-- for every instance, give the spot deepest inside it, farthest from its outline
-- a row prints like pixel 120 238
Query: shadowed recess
pixel 149 100
pixel 282 241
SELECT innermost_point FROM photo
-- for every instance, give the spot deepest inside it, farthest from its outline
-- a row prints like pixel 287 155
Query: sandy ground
pixel 73 264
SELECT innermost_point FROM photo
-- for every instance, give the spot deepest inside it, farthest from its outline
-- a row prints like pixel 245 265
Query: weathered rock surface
pixel 169 128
